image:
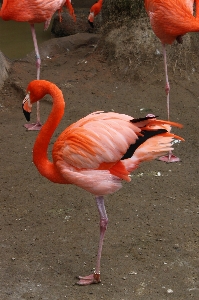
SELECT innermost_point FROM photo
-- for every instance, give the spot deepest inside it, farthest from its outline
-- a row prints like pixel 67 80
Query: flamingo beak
pixel 91 19
pixel 91 23
pixel 26 106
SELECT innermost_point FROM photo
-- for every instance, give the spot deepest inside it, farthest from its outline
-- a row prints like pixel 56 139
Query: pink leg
pixel 37 125
pixel 169 157
pixel 95 278
pixel 167 87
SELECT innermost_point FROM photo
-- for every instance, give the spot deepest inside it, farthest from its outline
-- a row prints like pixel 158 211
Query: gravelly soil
pixel 49 233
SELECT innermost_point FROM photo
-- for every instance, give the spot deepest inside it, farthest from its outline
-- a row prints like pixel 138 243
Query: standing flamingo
pixel 170 20
pixel 94 11
pixel 96 152
pixel 33 11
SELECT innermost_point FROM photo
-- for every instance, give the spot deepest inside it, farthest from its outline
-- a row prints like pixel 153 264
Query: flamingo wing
pixel 88 152
pixel 91 152
pixel 96 141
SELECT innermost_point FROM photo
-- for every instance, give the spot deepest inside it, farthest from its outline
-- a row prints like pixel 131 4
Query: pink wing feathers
pixel 96 139
pixel 34 11
pixel 87 151
pixel 155 146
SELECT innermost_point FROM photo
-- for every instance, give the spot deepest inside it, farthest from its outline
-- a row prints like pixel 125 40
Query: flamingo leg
pixel 167 87
pixel 170 157
pixel 37 125
pixel 95 277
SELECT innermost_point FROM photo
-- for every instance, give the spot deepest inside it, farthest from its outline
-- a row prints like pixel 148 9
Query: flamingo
pixel 94 10
pixel 170 20
pixel 34 11
pixel 97 152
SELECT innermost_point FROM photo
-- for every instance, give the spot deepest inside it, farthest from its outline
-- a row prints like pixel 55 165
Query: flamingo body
pixel 171 19
pixel 94 11
pixel 34 11
pixel 95 153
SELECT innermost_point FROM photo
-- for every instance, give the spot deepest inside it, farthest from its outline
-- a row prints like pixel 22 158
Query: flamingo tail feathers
pixel 143 123
pixel 152 148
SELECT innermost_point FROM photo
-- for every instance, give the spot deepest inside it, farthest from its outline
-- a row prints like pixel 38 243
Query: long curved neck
pixel 40 149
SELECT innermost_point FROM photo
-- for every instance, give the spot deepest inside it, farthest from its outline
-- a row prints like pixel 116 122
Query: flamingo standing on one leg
pixel 94 11
pixel 33 11
pixel 170 20
pixel 96 152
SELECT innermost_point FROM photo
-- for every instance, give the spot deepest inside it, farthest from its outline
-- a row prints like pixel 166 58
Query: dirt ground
pixel 49 233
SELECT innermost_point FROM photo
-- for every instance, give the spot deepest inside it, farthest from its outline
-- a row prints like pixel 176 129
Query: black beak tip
pixel 26 114
pixel 91 23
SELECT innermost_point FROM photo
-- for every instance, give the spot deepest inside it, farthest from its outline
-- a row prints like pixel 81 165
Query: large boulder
pixel 4 67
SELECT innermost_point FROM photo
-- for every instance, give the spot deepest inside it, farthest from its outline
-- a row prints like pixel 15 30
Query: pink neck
pixel 40 155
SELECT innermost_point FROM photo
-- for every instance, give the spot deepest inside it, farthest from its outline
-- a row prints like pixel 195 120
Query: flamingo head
pixel 26 106
pixel 91 19
pixel 36 90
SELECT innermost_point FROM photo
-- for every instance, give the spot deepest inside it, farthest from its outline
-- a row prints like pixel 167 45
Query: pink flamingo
pixel 170 20
pixel 94 11
pixel 97 152
pixel 34 11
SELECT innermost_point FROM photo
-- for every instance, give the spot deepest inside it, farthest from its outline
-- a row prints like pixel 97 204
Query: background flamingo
pixel 96 152
pixel 94 11
pixel 34 11
pixel 170 20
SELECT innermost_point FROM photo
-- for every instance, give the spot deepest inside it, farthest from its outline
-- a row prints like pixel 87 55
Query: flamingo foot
pixel 169 158
pixel 33 126
pixel 92 278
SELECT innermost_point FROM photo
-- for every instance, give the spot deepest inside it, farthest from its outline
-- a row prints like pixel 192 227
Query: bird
pixel 97 152
pixel 34 11
pixel 94 11
pixel 71 9
pixel 170 20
